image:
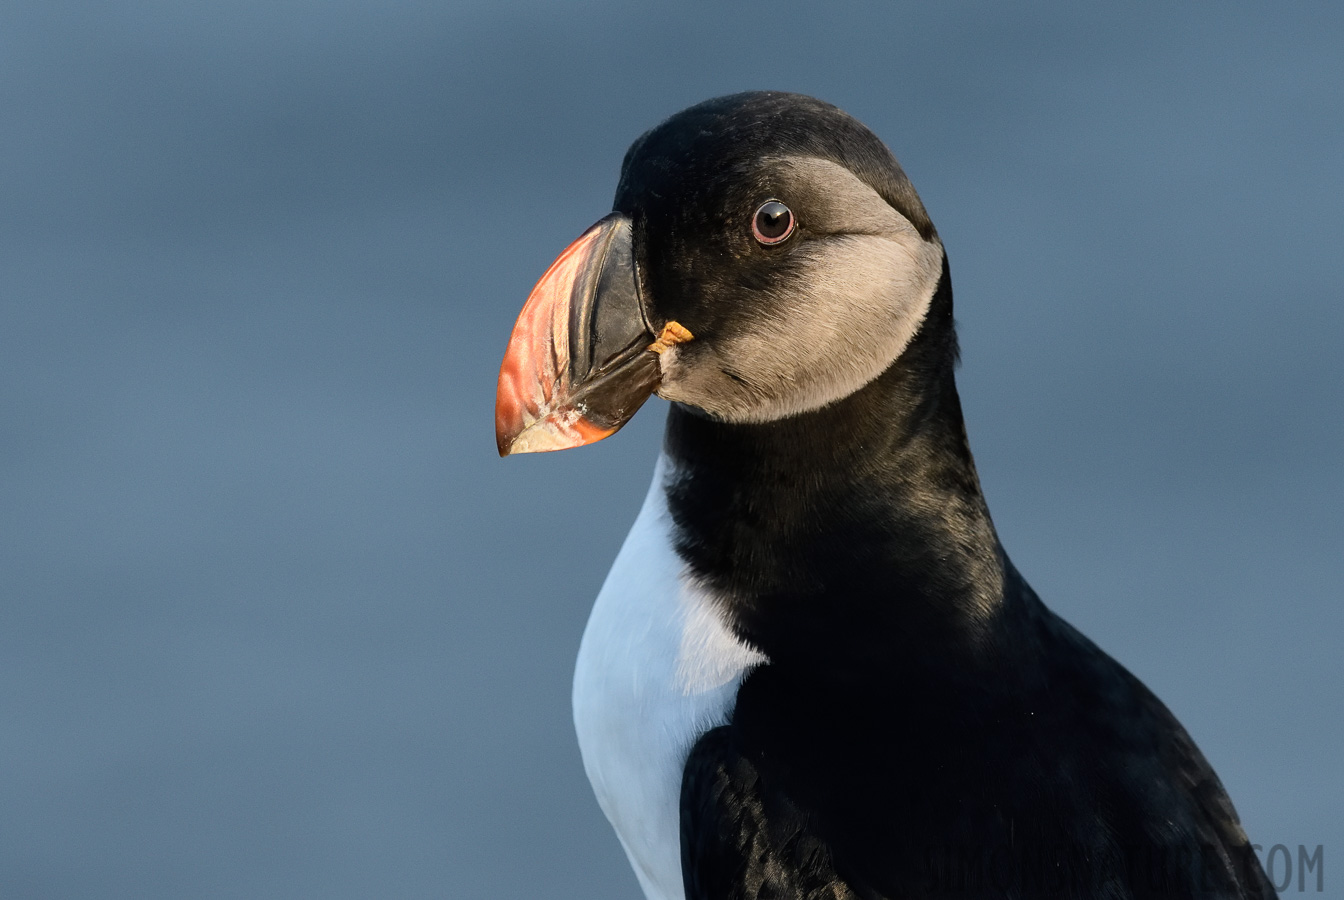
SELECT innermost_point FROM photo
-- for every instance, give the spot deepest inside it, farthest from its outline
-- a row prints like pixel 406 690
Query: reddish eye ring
pixel 772 223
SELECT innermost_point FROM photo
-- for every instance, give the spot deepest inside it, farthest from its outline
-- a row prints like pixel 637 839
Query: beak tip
pixel 506 433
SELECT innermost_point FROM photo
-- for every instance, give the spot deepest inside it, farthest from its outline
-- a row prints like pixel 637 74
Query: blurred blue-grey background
pixel 274 619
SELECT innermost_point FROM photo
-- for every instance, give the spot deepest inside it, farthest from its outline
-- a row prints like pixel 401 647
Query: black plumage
pixel 924 725
pixel 819 630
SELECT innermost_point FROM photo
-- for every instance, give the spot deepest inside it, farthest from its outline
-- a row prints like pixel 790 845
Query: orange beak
pixel 582 358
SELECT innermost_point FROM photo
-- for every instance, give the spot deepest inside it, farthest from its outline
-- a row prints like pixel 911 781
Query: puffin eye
pixel 772 223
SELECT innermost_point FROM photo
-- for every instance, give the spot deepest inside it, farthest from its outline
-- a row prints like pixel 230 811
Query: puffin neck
pixel 864 517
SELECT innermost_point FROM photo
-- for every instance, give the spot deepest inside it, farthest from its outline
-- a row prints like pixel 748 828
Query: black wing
pixel 1169 779
pixel 1109 798
pixel 739 842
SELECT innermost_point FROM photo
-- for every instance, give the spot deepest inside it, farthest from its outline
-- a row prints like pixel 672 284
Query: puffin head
pixel 766 256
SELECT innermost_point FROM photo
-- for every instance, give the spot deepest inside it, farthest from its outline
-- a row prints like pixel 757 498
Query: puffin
pixel 813 671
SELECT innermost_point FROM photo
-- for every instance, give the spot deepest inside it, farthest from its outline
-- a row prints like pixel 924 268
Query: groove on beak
pixel 582 358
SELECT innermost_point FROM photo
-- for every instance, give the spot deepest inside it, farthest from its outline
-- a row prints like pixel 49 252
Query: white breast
pixel 657 668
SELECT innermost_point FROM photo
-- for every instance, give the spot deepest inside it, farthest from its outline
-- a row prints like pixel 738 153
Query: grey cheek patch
pixel 861 300
pixel 853 303
pixel 852 309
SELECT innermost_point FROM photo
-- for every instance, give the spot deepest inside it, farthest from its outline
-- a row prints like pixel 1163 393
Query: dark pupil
pixel 772 220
